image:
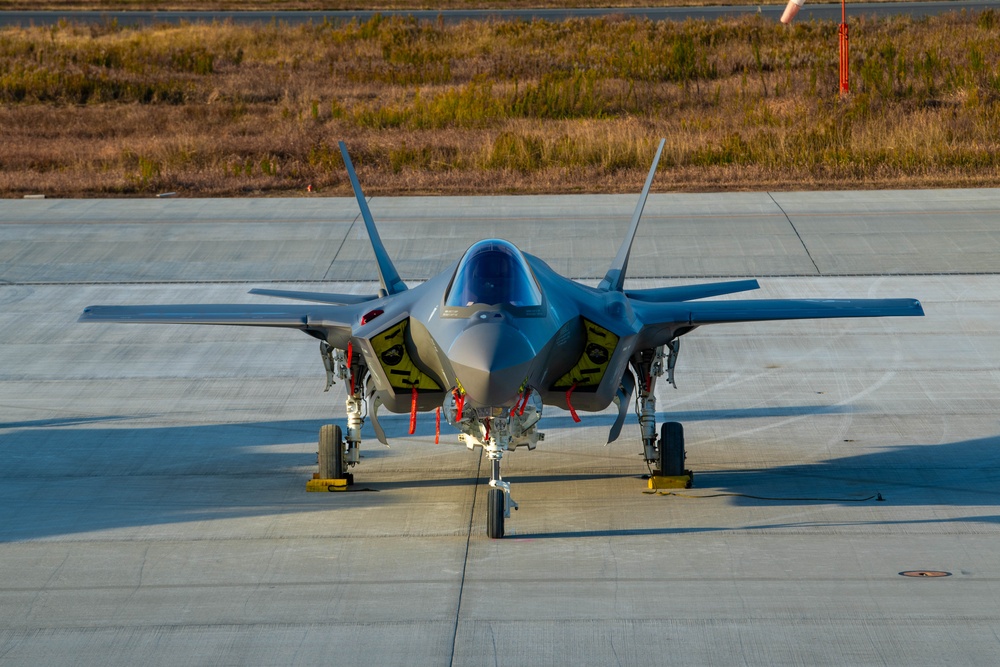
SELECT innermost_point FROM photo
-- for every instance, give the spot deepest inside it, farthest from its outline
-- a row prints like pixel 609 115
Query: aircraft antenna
pixel 391 282
pixel 614 279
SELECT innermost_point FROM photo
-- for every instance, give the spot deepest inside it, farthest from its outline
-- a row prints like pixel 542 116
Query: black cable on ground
pixel 878 497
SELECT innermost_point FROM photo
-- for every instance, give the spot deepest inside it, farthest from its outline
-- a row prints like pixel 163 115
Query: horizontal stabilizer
pixel 689 292
pixel 318 297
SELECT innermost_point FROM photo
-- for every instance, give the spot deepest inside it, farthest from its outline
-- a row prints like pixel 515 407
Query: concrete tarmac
pixel 152 502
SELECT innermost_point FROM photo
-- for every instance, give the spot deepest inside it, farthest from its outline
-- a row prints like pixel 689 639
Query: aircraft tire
pixel 671 449
pixel 494 512
pixel 331 452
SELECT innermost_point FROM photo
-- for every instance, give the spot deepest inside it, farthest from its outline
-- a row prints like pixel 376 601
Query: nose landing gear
pixel 509 430
pixel 499 502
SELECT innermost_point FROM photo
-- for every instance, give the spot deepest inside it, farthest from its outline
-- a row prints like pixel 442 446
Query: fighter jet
pixel 495 338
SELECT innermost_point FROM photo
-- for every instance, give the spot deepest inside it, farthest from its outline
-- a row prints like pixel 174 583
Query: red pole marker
pixel 845 62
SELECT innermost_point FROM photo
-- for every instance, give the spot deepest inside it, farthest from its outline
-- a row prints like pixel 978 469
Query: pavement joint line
pixel 799 236
pixel 465 560
pixel 343 240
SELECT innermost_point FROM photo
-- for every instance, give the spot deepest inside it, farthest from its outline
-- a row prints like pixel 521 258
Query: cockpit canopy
pixel 493 272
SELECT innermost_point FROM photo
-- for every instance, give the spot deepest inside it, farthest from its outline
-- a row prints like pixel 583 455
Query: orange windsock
pixel 791 10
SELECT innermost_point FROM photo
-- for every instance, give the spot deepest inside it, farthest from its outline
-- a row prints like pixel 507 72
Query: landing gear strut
pixel 499 502
pixel 667 454
pixel 338 453
pixel 513 428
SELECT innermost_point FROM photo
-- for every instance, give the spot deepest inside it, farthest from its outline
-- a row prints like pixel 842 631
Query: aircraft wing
pixel 326 321
pixel 318 297
pixel 661 320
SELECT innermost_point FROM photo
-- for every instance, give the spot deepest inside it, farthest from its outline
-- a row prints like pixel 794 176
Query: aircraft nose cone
pixel 491 361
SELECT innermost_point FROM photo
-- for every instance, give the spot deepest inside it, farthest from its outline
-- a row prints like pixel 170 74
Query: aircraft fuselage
pixel 496 352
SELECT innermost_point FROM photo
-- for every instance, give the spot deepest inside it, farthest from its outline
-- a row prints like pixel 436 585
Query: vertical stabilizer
pixel 614 279
pixel 391 282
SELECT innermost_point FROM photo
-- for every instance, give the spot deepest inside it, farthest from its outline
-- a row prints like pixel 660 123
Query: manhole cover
pixel 925 573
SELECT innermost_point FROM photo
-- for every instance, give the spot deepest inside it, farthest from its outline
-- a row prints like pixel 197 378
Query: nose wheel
pixel 495 513
pixel 498 500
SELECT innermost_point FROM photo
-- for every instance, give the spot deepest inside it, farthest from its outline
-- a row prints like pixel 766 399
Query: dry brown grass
pixel 334 5
pixel 497 107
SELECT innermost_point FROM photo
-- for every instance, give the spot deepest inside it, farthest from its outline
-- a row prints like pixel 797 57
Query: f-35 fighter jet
pixel 495 338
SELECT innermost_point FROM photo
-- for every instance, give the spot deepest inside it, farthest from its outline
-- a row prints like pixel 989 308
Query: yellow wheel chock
pixel 672 481
pixel 326 485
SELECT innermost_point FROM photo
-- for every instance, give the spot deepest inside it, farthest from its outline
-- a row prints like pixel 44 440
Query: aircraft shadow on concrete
pixel 958 474
pixel 952 474
pixel 74 475
pixel 693 530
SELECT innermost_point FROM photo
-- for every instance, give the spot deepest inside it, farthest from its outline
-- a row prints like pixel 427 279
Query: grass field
pixel 574 106
pixel 332 5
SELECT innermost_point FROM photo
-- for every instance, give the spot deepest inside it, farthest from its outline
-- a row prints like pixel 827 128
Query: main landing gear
pixel 667 453
pixel 338 452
